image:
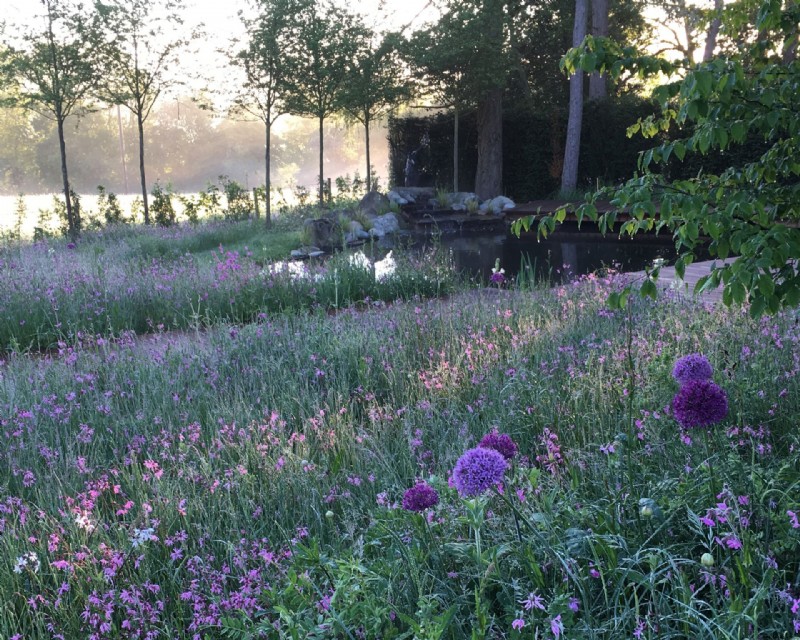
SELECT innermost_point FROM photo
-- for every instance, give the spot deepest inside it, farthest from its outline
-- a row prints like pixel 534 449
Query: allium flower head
pixel 477 470
pixel 699 403
pixel 500 442
pixel 695 366
pixel 420 497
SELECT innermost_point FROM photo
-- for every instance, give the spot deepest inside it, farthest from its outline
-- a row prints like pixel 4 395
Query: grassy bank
pixel 185 277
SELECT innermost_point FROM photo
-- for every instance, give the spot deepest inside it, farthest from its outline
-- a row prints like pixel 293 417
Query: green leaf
pixel 680 267
pixel 649 289
pixel 703 81
pixel 738 291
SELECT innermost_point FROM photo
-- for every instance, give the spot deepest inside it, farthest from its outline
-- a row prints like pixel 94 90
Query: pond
pixel 563 255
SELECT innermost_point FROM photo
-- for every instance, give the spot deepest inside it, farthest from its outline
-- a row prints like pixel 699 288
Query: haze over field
pixel 186 147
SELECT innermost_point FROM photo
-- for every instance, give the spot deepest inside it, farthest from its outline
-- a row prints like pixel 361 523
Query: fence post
pixel 255 201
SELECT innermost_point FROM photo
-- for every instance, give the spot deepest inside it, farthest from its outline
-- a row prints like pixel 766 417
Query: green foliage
pixel 53 71
pixel 109 207
pixel 163 211
pixel 20 214
pixel 238 199
pixel 749 210
pixel 318 62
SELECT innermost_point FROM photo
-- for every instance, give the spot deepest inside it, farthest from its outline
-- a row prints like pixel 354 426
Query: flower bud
pixel 646 511
pixel 329 514
pixel 707 560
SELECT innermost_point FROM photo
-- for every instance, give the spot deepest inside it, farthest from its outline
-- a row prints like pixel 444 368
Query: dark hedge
pixel 533 147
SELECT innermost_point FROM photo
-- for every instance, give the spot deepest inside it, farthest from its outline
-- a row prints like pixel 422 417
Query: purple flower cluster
pixel 695 366
pixel 500 442
pixel 699 403
pixel 420 497
pixel 478 470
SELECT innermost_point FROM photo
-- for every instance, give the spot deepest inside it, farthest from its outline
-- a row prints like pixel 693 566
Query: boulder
pixel 460 199
pixel 355 232
pixel 396 198
pixel 373 203
pixel 306 252
pixel 323 232
pixel 384 225
pixel 497 205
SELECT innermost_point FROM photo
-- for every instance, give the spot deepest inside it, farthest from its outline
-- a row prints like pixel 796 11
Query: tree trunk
pixel 140 122
pixel 598 84
pixel 72 227
pixel 713 31
pixel 489 174
pixel 267 177
pixel 369 167
pixel 455 150
pixel 321 180
pixel 789 51
pixel 122 148
pixel 569 176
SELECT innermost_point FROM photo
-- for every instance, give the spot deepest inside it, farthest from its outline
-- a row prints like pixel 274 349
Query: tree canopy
pixel 750 210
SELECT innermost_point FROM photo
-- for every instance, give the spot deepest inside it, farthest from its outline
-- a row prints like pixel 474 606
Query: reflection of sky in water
pixel 296 269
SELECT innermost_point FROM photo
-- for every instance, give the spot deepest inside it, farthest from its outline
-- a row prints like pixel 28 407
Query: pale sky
pixel 221 24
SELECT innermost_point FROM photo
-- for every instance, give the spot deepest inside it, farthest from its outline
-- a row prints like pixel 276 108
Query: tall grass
pixel 181 278
pixel 247 481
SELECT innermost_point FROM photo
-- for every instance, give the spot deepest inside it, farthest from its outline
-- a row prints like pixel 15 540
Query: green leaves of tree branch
pixel 750 210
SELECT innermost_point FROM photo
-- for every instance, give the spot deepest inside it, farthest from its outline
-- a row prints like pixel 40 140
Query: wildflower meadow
pixel 461 462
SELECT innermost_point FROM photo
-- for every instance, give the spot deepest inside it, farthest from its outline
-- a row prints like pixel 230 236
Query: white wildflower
pixel 83 521
pixel 27 560
pixel 140 536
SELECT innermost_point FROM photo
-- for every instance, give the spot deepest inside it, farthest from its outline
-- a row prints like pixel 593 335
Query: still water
pixel 562 256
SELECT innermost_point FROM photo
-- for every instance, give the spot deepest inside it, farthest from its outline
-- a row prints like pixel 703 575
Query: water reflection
pixel 559 257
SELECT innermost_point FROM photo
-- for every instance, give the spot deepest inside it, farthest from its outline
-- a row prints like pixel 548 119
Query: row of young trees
pixel 115 51
pixel 301 57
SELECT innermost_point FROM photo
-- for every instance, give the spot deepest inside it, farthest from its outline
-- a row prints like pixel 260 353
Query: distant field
pixel 35 203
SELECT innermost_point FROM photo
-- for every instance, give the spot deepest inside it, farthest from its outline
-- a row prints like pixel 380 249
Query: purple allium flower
pixel 477 470
pixel 500 442
pixel 420 497
pixel 695 366
pixel 699 403
pixel 497 278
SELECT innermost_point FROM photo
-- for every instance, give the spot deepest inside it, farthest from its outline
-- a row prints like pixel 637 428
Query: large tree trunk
pixel 321 180
pixel 455 149
pixel 713 31
pixel 369 166
pixel 489 174
pixel 267 179
pixel 140 123
pixel 569 175
pixel 598 84
pixel 72 227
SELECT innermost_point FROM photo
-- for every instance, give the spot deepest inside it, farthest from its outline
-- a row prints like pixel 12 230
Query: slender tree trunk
pixel 140 122
pixel 267 177
pixel 489 174
pixel 598 84
pixel 569 176
pixel 455 150
pixel 321 180
pixel 369 167
pixel 122 148
pixel 72 227
pixel 713 31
